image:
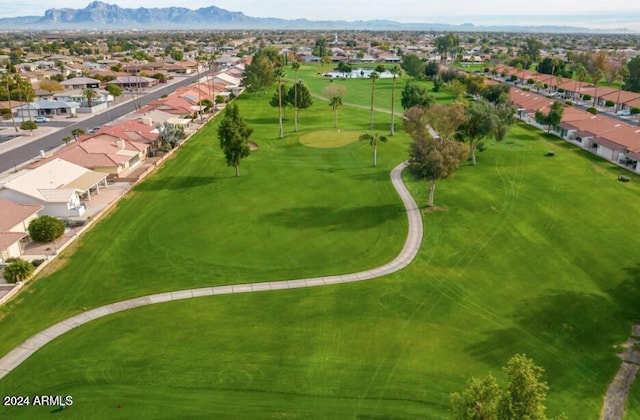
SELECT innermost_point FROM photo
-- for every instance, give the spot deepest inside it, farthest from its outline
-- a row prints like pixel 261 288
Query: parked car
pixel 93 130
pixel 624 112
pixel 41 119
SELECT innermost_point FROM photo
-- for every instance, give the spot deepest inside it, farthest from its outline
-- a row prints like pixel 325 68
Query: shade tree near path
pixel 552 117
pixel 433 159
pixel 234 134
pixel 295 66
pixel 300 98
pixel 484 120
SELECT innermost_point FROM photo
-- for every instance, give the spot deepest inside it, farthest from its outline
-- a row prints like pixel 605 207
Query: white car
pixel 624 113
pixel 41 119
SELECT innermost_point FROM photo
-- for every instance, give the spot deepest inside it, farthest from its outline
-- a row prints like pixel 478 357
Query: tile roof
pixel 12 213
pixel 9 238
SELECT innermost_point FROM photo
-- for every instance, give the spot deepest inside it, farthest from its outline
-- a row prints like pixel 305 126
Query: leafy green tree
pixel 431 69
pixel 505 114
pixel 412 65
pixel 114 90
pixel 446 44
pixel 299 97
pixel 551 118
pixel 28 125
pixel 457 88
pixel 497 93
pixel 596 76
pixel 18 270
pixel 234 133
pixel 373 140
pixel 259 75
pixel 580 73
pixel 344 68
pixel 433 159
pixel 374 76
pixel 6 83
pixel 531 49
pixel 45 229
pixel 447 119
pixel 414 95
pixel 395 72
pixel 525 393
pixel 416 122
pixel 481 123
pixel 336 93
pixel 177 55
pixel 631 75
pixel 479 401
pixel 522 398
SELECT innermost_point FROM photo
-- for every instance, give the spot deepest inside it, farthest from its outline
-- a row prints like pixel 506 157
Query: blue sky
pixel 586 12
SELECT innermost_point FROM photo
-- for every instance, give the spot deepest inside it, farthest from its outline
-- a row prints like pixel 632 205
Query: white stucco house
pixel 57 185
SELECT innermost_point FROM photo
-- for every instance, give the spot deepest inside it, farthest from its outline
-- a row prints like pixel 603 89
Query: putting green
pixel 330 139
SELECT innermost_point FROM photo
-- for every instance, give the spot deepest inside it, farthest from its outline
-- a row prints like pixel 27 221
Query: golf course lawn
pixel 529 254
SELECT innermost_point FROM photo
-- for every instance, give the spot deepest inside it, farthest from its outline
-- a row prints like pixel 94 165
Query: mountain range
pixel 103 16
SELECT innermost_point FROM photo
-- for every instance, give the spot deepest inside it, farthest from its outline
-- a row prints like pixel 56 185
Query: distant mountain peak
pixel 101 15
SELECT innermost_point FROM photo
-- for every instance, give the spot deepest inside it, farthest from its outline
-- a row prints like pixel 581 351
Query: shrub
pixel 18 270
pixel 28 125
pixel 5 113
pixel 45 229
pixel 609 103
pixel 513 78
pixel 592 110
pixel 530 81
pixel 560 90
pixel 586 97
pixel 569 103
pixel 526 89
pixel 37 262
pixel 635 110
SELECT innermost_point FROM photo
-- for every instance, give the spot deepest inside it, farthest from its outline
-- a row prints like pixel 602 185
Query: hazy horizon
pixel 616 14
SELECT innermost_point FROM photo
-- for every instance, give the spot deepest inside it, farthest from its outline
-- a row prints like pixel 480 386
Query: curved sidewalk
pixel 409 251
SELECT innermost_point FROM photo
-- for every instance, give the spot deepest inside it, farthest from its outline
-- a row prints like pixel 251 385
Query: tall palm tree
pixel 18 80
pixel 581 73
pixel 374 76
pixel 596 76
pixel 77 132
pixel 621 74
pixel 279 74
pixel 90 94
pixel 373 140
pixel 6 79
pixel 295 66
pixel 395 71
pixel 335 102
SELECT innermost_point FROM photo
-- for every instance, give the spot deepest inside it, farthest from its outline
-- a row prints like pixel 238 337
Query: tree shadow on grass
pixel 334 219
pixel 571 334
pixel 175 182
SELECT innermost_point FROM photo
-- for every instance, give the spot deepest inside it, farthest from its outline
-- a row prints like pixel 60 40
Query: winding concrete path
pixel 409 251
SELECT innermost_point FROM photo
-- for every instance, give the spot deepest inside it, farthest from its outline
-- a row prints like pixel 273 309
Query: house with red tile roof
pixel 173 105
pixel 14 224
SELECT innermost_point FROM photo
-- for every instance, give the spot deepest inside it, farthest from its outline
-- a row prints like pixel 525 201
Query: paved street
pixel 13 158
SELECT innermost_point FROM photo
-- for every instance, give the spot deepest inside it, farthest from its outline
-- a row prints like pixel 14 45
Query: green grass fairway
pixel 533 255
pixel 330 139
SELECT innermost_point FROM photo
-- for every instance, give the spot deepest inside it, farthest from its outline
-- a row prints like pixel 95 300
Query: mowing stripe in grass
pixel 409 251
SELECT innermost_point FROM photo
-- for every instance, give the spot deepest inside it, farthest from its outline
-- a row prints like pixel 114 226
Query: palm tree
pixel 90 94
pixel 519 66
pixel 295 66
pixel 581 73
pixel 621 74
pixel 18 80
pixel 373 141
pixel 335 102
pixel 279 73
pixel 395 71
pixel 169 136
pixel 66 140
pixel 6 79
pixel 374 76
pixel 596 77
pixel 77 132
